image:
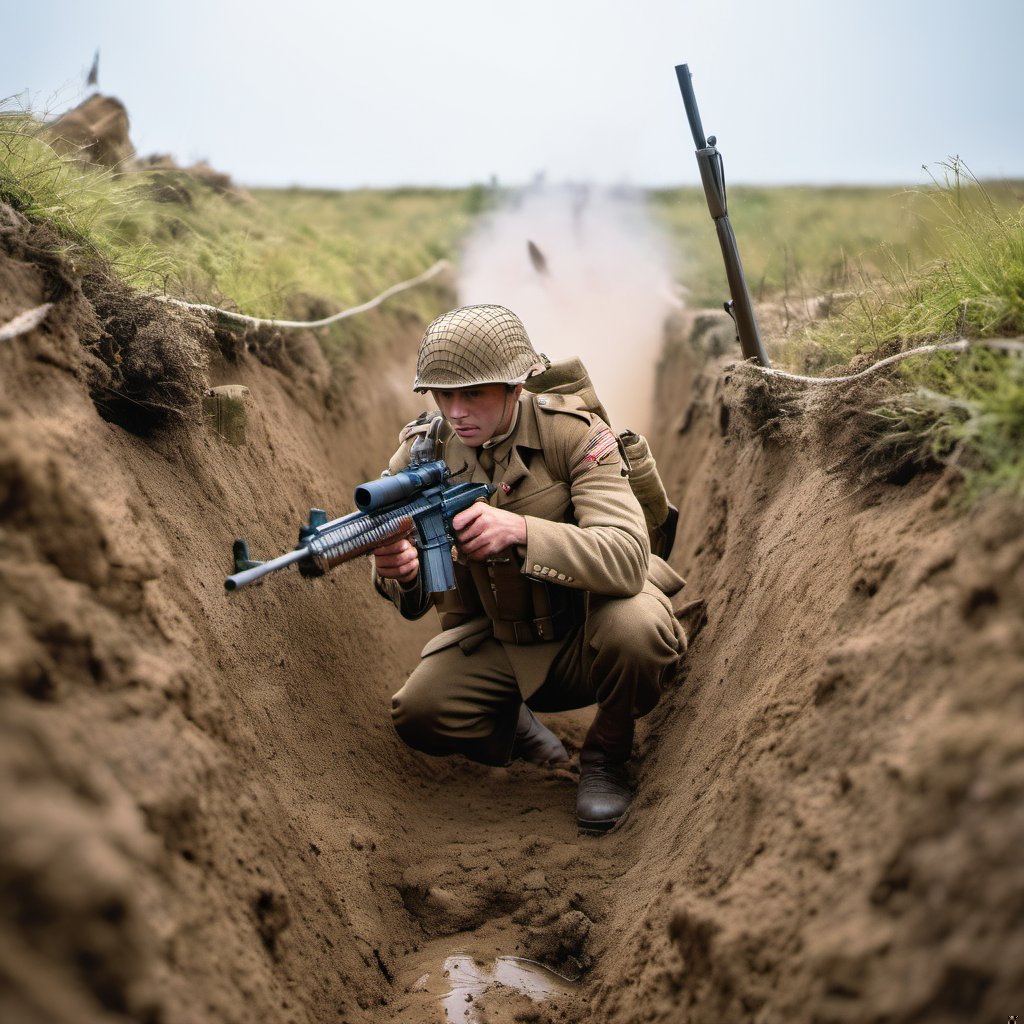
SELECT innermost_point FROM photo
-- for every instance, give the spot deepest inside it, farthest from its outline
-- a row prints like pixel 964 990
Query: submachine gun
pixel 712 176
pixel 417 499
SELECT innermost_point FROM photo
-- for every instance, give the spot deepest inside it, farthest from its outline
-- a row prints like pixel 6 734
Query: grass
pixel 273 253
pixel 807 240
pixel 902 268
pixel 964 410
pixel 967 412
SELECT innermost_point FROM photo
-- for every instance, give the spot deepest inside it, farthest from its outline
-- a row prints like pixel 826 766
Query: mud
pixel 207 817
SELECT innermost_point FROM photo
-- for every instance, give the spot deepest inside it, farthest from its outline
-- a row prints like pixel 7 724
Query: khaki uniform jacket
pixel 584 527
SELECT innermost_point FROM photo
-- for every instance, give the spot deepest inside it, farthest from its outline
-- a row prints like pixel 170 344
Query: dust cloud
pixel 587 272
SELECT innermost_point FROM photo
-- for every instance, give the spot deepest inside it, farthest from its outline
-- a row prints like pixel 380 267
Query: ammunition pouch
pixel 524 610
pixel 462 604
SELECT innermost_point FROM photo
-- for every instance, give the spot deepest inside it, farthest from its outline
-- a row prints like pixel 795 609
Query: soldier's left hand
pixel 483 530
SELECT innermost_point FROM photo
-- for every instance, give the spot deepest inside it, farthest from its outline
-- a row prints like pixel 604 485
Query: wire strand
pixel 960 345
pixel 24 322
pixel 297 324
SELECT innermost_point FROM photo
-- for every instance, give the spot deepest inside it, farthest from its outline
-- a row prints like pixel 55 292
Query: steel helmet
pixel 475 345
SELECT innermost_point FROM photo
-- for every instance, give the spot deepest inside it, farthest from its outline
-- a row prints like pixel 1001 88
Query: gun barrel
pixel 240 579
pixel 690 102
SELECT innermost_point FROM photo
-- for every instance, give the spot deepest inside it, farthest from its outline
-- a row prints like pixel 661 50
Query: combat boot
pixel 604 793
pixel 535 742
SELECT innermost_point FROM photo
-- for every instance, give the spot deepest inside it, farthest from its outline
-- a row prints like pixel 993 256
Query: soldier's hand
pixel 398 560
pixel 483 530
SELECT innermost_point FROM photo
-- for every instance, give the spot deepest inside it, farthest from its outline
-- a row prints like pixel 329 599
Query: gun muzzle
pixel 690 102
pixel 240 579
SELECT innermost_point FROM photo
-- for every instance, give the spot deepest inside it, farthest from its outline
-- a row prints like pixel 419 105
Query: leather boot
pixel 535 742
pixel 604 793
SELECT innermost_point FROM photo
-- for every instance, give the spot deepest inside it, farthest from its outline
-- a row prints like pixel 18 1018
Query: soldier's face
pixel 479 413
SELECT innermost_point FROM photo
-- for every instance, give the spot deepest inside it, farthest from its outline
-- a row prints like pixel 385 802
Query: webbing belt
pixel 536 631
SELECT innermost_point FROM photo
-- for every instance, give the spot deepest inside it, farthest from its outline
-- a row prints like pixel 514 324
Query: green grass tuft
pixel 898 268
pixel 973 282
pixel 966 411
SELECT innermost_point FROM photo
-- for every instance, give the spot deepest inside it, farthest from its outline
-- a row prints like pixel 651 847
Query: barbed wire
pixel 257 321
pixel 960 345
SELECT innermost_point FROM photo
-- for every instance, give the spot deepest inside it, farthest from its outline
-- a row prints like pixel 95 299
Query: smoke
pixel 588 274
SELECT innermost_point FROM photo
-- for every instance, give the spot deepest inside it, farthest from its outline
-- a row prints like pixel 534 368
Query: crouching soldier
pixel 553 607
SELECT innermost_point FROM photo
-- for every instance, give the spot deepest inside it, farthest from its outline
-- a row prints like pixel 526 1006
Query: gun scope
pixel 389 490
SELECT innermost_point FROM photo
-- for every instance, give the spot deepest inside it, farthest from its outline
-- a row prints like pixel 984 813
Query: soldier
pixel 554 608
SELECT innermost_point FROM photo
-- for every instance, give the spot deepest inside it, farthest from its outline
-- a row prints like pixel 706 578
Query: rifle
pixel 417 499
pixel 712 175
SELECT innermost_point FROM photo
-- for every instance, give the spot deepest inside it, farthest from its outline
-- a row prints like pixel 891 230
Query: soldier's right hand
pixel 398 560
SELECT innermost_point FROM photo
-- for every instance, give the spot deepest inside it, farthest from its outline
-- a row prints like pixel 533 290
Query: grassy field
pixel 809 240
pixel 903 266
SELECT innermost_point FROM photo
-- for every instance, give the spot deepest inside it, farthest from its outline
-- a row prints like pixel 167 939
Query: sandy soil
pixel 207 817
pixel 830 815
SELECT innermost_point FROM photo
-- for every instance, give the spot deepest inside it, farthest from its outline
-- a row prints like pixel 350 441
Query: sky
pixel 342 94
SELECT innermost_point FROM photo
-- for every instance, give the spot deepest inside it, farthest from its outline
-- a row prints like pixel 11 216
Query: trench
pixel 209 819
pixel 231 828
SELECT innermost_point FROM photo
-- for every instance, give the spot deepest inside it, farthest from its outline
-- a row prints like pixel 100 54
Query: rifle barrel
pixel 700 140
pixel 240 579
pixel 709 162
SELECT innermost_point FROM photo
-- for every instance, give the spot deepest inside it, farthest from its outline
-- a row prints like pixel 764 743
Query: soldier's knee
pixel 414 714
pixel 640 626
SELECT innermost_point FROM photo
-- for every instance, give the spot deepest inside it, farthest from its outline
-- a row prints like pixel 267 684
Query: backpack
pixel 570 377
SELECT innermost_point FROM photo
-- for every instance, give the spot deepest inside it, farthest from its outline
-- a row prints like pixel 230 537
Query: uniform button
pixel 561 575
pixel 537 568
pixel 542 400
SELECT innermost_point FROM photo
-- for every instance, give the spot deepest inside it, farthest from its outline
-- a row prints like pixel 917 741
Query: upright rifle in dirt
pixel 415 500
pixel 712 175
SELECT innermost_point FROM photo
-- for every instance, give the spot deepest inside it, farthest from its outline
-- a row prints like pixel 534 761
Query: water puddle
pixel 462 980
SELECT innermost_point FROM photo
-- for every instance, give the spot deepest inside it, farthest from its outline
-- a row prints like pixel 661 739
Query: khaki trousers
pixel 468 703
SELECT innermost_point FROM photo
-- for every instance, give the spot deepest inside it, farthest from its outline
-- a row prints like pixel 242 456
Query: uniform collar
pixel 509 465
pixel 525 434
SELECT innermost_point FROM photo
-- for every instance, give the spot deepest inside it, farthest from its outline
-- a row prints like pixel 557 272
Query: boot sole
pixel 600 827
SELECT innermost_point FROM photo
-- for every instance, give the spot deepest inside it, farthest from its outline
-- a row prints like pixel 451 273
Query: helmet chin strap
pixel 506 415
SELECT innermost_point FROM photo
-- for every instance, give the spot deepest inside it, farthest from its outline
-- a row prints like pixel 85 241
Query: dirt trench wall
pixel 187 834
pixel 830 815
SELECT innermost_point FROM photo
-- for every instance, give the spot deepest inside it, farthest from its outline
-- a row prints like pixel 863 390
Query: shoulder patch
pixel 573 404
pixel 598 449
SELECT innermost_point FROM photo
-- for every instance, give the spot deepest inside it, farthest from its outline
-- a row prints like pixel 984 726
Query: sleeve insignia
pixel 599 447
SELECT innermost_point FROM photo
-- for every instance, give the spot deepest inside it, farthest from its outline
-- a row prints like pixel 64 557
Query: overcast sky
pixel 339 93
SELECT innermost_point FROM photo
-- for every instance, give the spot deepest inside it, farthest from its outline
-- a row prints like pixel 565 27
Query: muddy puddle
pixel 455 987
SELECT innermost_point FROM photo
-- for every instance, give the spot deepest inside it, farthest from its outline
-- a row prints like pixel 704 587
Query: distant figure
pixel 540 264
pixel 580 198
pixel 94 71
